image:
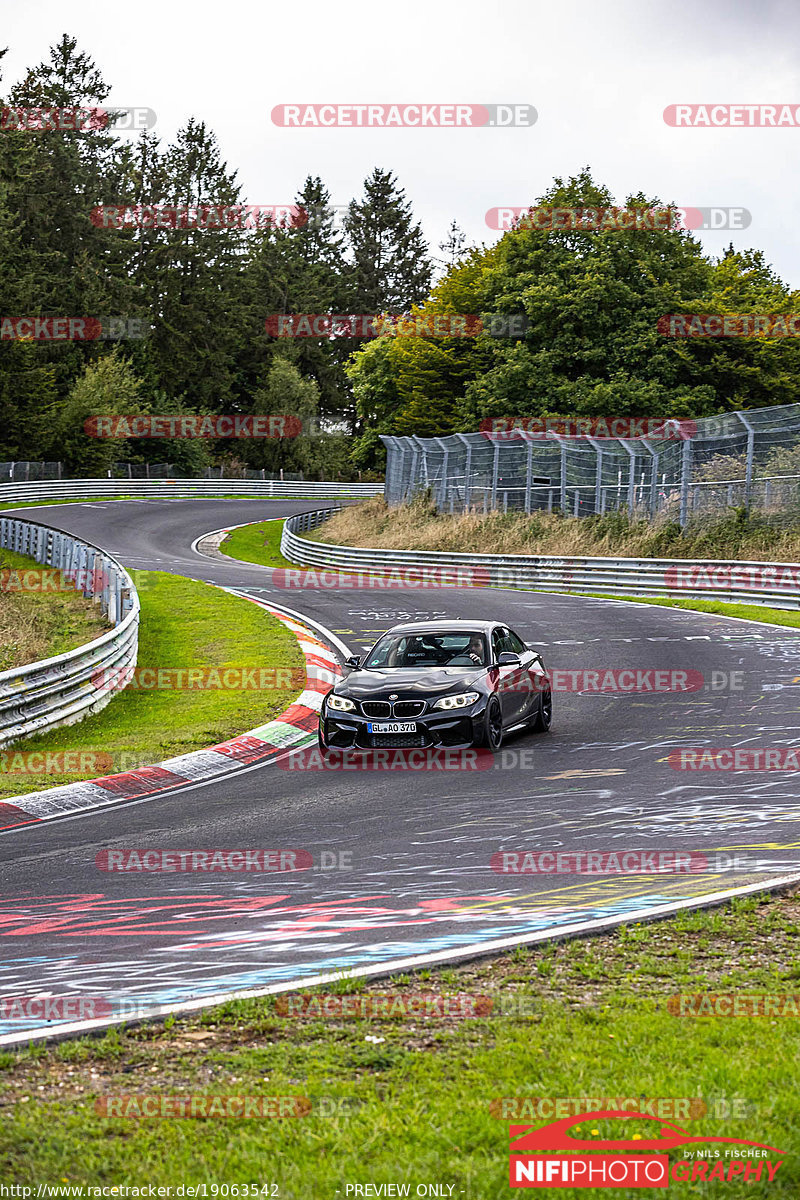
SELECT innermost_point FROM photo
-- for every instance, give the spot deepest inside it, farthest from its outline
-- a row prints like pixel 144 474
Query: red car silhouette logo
pixel 555 1136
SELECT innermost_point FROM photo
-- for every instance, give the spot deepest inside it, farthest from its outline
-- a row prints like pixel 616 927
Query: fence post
pixel 748 475
pixel 631 476
pixel 563 495
pixel 528 474
pixel 421 446
pixel 686 470
pixel 443 487
pixel 413 473
pixel 653 477
pixel 598 474
pixel 467 470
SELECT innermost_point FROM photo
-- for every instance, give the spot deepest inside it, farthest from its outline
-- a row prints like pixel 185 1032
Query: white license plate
pixel 391 726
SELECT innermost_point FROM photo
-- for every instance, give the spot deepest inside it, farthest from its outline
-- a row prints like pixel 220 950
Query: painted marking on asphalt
pixel 588 773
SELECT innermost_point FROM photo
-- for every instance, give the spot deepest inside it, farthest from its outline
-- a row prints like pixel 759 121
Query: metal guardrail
pixel 160 489
pixel 776 584
pixel 68 687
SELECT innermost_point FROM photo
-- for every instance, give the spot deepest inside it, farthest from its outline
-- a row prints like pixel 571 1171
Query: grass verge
pixel 416 1100
pixel 745 612
pixel 184 624
pixel 259 543
pixel 40 624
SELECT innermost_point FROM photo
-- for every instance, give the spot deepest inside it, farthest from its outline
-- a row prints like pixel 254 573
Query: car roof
pixel 456 626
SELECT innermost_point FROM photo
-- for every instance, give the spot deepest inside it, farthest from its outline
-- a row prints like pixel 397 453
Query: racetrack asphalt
pixel 403 859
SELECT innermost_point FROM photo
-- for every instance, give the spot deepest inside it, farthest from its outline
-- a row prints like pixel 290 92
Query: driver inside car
pixel 476 649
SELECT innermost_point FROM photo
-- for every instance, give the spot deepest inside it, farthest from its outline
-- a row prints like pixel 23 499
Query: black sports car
pixel 438 683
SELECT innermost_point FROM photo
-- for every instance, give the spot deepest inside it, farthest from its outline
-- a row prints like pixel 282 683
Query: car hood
pixel 408 682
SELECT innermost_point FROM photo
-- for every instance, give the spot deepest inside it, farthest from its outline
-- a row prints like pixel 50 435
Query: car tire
pixel 323 745
pixel 493 728
pixel 543 713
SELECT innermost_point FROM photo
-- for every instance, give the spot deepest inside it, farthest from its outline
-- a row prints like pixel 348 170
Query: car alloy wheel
pixel 494 725
pixel 544 712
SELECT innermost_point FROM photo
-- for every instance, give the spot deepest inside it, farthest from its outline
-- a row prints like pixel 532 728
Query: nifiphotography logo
pixel 622 1163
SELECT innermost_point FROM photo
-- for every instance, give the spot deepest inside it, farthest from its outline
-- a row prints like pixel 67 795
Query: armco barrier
pixel 777 584
pixel 160 489
pixel 67 688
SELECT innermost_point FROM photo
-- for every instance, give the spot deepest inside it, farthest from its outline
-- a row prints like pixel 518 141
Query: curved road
pixel 403 860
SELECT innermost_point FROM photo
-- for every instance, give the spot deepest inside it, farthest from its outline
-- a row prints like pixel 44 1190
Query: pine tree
pixel 192 276
pixel 392 266
pixel 55 261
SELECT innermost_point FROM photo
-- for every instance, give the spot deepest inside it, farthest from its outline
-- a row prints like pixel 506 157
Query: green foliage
pixel 108 386
pixel 592 301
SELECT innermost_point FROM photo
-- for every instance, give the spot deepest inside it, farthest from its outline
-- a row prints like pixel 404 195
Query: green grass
pixel 183 624
pixel 259 543
pixel 36 625
pixel 417 1106
pixel 746 612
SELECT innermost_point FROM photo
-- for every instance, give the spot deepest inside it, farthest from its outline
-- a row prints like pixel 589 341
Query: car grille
pixel 396 740
pixel 403 709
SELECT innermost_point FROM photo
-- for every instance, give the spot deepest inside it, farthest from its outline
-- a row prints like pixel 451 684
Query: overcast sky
pixel 599 74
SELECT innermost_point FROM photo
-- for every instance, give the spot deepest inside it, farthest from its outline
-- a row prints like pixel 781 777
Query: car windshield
pixel 439 649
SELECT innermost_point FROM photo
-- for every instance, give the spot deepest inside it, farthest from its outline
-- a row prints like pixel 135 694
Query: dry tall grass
pixel 35 625
pixel 417 526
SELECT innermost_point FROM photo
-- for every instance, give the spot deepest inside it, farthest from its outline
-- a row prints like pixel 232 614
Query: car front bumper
pixel 466 728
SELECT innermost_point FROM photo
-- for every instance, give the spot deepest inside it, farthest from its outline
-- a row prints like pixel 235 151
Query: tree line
pixel 585 306
pixel 201 293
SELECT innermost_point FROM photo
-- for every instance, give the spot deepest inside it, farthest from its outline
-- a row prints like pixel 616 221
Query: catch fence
pixel 749 459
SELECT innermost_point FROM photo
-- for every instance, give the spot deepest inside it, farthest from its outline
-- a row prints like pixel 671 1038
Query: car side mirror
pixel 507 659
pixel 354 662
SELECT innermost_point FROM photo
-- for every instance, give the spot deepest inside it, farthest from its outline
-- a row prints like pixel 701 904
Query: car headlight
pixel 459 701
pixel 340 703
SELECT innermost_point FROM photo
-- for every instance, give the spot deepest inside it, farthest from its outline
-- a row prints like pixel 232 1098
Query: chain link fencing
pixel 749 459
